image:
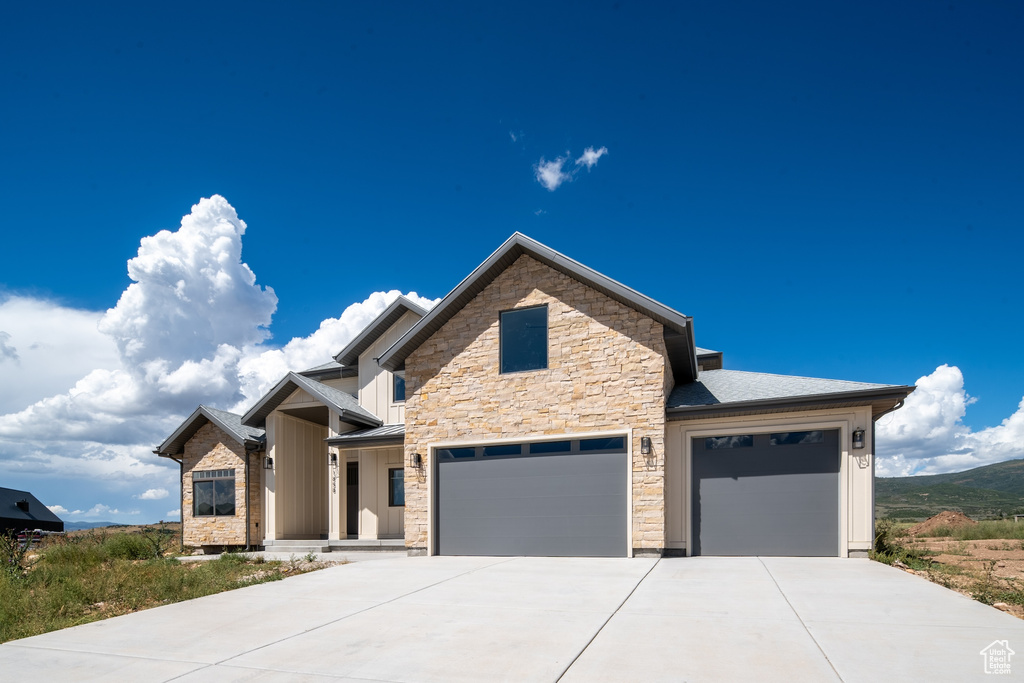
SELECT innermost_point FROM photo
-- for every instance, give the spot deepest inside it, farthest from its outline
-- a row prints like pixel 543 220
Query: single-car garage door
pixel 766 494
pixel 559 498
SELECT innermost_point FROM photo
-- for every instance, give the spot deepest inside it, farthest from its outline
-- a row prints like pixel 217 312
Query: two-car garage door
pixel 766 494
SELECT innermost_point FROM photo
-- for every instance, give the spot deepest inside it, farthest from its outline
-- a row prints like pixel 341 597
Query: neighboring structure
pixel 542 408
pixel 21 511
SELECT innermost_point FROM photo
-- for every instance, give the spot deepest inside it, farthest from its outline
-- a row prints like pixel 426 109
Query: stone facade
pixel 607 370
pixel 211 448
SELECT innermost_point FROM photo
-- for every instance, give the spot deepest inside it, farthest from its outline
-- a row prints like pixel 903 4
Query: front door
pixel 352 499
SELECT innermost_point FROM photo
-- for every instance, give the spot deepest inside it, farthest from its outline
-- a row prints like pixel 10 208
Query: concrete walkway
pixel 544 619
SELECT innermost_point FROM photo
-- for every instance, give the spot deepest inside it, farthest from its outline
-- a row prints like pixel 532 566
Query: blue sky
pixel 830 190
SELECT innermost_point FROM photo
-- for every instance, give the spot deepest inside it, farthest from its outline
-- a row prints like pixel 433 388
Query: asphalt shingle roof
pixel 717 387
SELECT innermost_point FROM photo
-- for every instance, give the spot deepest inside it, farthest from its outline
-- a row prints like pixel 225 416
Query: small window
pixel 614 443
pixel 396 487
pixel 213 493
pixel 456 453
pixel 524 339
pixel 793 438
pixel 507 449
pixel 399 386
pixel 714 443
pixel 551 447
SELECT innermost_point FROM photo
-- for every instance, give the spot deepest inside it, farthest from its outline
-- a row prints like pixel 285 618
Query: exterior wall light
pixel 645 445
pixel 858 438
pixel 268 463
pixel 333 458
pixel 417 460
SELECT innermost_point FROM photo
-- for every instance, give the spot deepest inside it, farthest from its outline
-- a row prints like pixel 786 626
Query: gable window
pixel 524 339
pixel 398 386
pixel 213 493
pixel 396 487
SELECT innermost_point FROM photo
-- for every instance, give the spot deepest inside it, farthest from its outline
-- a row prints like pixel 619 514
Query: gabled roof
pixel 678 327
pixel 36 513
pixel 250 437
pixel 345 405
pixel 372 332
pixel 388 435
pixel 735 392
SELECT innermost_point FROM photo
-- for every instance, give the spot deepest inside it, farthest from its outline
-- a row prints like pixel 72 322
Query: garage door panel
pixel 765 499
pixel 553 505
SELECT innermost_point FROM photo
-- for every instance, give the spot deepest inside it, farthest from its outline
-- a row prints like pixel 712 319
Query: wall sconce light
pixel 268 463
pixel 417 460
pixel 645 445
pixel 334 458
pixel 858 438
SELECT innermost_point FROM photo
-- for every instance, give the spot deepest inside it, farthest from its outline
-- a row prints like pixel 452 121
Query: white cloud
pixel 7 352
pixel 591 156
pixel 174 514
pixel 550 174
pixel 191 328
pixel 55 347
pixel 57 509
pixel 97 510
pixel 928 436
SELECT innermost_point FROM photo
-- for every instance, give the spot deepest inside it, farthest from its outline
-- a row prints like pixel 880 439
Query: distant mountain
pixel 77 526
pixel 981 492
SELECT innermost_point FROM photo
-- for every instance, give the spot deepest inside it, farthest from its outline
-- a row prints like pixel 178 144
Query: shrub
pixel 128 547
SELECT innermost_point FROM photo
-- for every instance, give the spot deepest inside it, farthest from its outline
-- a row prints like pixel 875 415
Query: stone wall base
pixel 417 552
pixel 648 552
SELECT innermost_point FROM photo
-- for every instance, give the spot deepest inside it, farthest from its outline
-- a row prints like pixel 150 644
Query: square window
pixel 396 487
pixel 524 339
pixel 213 493
pixel 398 386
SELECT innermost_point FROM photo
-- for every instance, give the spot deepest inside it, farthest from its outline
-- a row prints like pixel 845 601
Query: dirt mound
pixel 947 519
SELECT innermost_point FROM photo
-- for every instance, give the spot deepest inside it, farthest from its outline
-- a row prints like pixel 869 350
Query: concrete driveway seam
pixel 799 618
pixel 347 616
pixel 614 612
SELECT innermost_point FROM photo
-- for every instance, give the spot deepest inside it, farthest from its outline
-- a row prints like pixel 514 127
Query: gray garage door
pixel 766 494
pixel 565 498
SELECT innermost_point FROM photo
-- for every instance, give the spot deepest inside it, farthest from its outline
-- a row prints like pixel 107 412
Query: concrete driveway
pixel 544 619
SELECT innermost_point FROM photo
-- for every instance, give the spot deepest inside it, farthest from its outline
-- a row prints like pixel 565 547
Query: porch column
pixel 336 495
pixel 368 523
pixel 270 483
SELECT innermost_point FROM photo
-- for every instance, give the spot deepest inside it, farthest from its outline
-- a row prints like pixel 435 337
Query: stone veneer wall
pixel 606 370
pixel 211 448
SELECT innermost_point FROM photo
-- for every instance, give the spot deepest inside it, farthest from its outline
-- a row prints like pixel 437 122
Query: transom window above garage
pixel 524 339
pixel 604 444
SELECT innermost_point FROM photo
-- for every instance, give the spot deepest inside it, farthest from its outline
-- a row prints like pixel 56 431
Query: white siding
pixel 300 477
pixel 350 385
pixel 375 383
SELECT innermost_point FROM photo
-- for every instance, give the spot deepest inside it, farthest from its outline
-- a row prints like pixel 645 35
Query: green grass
pixel 994 529
pixel 77 580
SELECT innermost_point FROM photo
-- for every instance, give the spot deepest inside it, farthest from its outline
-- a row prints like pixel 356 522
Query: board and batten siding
pixel 300 477
pixel 376 518
pixel 350 385
pixel 375 383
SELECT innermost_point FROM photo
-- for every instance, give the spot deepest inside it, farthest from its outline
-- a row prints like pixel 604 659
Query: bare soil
pixel 947 519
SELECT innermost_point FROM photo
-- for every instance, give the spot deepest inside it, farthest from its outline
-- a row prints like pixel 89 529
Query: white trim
pixel 839 422
pixel 430 469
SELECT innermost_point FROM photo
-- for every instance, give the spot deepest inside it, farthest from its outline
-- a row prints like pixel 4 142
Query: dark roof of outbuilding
pixel 736 392
pixel 37 512
pixel 350 354
pixel 229 422
pixel 345 405
pixel 386 435
pixel 678 327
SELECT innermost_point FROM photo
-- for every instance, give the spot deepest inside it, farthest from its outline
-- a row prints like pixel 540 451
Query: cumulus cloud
pixel 99 509
pixel 552 174
pixel 57 509
pixel 174 514
pixel 192 327
pixel 928 436
pixel 591 156
pixel 55 345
